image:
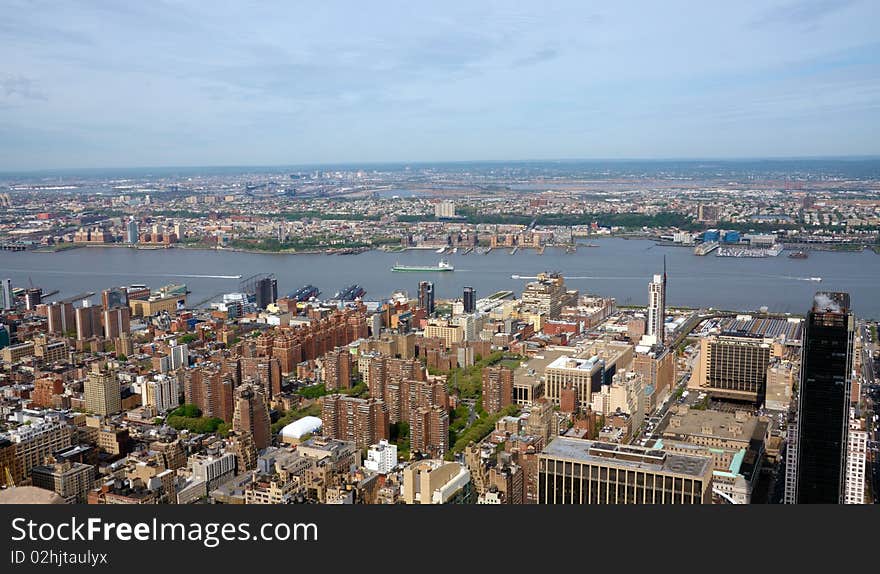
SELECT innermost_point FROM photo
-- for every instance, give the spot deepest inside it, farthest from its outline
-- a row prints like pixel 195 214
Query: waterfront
pixel 617 268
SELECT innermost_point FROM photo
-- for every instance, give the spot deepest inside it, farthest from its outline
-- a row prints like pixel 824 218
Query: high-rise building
pixel 62 318
pixel 102 392
pixel 426 296
pixel 131 231
pixel 469 298
pixel 179 355
pixel 657 367
pixel 117 320
pixel 656 324
pixel 6 299
pixel 429 430
pixel 162 393
pixel 577 471
pixel 88 321
pixel 733 367
pixel 584 375
pixel 444 209
pixel 32 298
pixel 264 371
pixel 856 461
pixel 115 297
pixel 266 292
pixel 497 388
pixel 337 369
pixel 545 295
pixel 252 414
pixel 211 391
pixel 823 401
pixel 362 421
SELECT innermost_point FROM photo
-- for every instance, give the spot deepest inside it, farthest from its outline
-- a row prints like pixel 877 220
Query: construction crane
pixel 10 482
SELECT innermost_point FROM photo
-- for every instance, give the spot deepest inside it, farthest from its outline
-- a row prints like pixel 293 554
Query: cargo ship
pixel 442 266
pixel 304 293
pixel 351 293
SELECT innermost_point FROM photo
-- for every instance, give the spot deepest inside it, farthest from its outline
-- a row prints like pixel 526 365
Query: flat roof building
pixel 577 471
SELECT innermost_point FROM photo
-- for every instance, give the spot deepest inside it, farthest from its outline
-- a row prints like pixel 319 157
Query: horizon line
pixel 348 163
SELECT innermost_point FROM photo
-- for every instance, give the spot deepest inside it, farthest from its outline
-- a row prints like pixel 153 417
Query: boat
pixel 817 279
pixel 798 255
pixel 351 293
pixel 441 250
pixel 443 265
pixel 454 250
pixel 304 293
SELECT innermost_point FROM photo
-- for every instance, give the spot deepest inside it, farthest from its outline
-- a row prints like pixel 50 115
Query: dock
pixel 78 297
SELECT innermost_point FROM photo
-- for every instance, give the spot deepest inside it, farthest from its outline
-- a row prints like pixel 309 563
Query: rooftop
pixel 731 426
pixel 628 456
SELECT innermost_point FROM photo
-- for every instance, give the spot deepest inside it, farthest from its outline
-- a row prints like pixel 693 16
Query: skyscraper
pixel 116 321
pixel 823 403
pixel 266 292
pixel 497 388
pixel 6 300
pixel 131 231
pixel 337 369
pixel 364 421
pixel 469 298
pixel 62 318
pixel 32 298
pixel 102 392
pixel 426 296
pixel 88 321
pixel 252 414
pixel 657 308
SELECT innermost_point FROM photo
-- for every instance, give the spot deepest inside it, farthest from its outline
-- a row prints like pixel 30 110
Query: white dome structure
pixel 298 428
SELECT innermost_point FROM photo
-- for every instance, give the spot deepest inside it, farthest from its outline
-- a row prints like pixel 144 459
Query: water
pixel 617 268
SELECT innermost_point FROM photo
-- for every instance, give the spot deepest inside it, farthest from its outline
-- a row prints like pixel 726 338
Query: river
pixel 617 268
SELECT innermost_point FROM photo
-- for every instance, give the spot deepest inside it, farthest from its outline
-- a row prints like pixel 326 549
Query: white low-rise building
pixel 382 457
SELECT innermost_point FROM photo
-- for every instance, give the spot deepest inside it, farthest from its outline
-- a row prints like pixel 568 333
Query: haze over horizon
pixel 96 84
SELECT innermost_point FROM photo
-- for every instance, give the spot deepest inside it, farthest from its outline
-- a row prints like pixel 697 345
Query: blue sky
pixel 114 84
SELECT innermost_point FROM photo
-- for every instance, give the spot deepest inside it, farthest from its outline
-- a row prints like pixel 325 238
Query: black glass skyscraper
pixel 823 415
pixel 426 296
pixel 469 298
pixel 266 292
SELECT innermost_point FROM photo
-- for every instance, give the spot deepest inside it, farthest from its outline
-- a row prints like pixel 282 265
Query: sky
pixel 105 83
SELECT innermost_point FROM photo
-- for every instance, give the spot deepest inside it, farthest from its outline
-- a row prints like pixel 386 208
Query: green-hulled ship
pixel 442 266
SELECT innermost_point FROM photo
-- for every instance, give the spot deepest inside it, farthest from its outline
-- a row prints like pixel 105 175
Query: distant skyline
pixel 103 84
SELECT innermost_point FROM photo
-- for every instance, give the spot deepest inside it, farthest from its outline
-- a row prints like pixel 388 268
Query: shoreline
pixel 357 251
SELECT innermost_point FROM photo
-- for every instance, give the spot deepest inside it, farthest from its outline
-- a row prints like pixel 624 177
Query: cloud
pixel 804 12
pixel 539 57
pixel 22 87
